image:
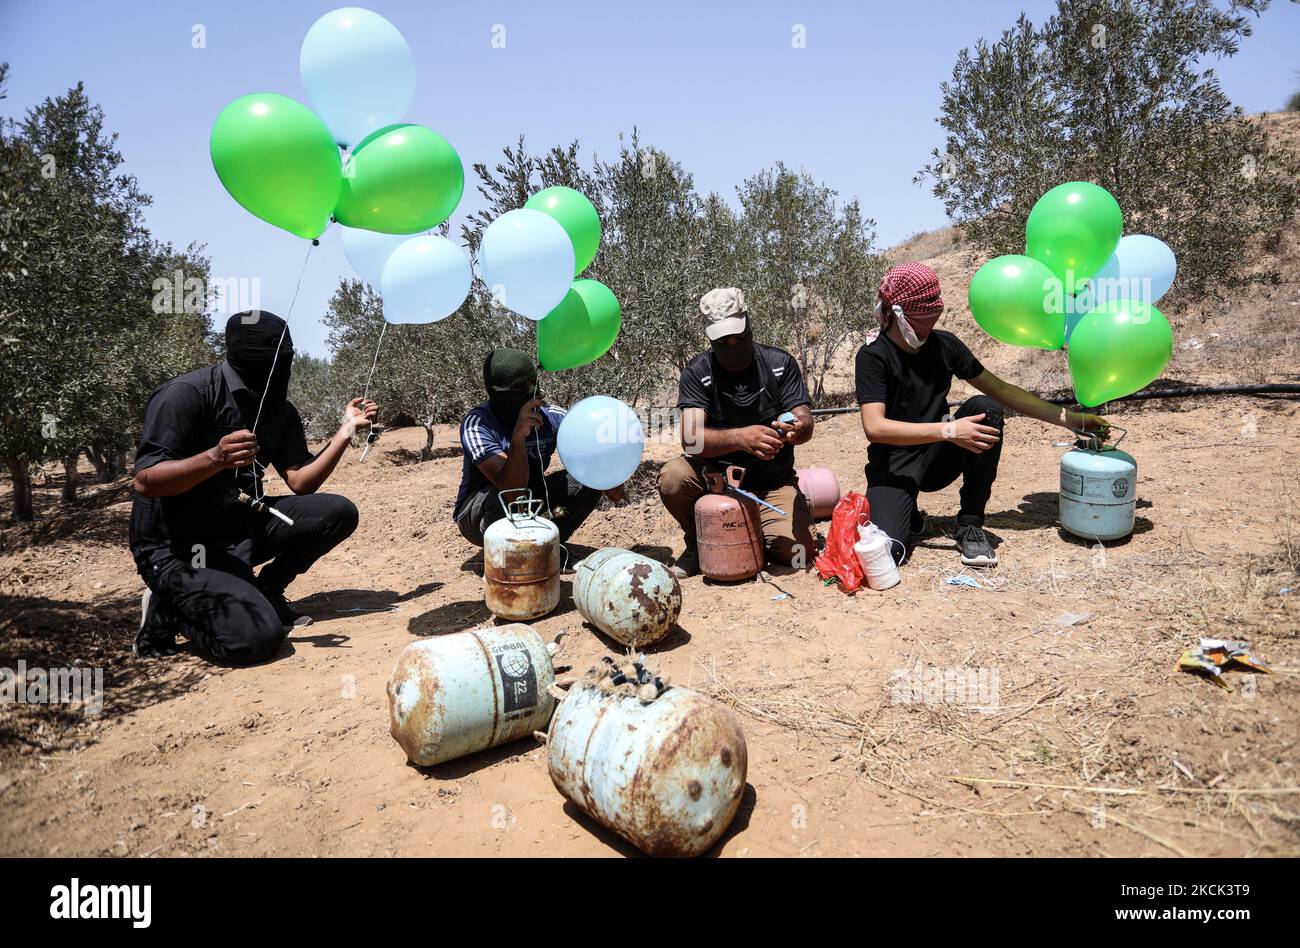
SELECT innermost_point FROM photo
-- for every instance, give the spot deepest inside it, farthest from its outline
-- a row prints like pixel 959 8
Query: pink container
pixel 822 489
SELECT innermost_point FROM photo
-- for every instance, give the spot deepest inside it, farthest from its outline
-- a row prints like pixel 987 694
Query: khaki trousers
pixel 788 540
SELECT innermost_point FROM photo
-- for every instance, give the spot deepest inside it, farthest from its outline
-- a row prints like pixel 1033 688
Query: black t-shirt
pixel 759 395
pixel 913 386
pixel 186 416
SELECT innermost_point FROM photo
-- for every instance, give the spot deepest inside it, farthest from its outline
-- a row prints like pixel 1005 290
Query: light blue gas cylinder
pixel 1098 489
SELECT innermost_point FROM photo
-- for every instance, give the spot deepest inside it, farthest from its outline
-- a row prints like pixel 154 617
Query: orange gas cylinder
pixel 727 532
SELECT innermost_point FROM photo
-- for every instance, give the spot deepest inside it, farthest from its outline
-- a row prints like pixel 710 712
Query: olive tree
pixel 1123 93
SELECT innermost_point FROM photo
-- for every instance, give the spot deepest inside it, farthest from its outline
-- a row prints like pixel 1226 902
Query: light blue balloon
pixel 1076 307
pixel 526 259
pixel 600 442
pixel 358 72
pixel 369 250
pixel 425 280
pixel 1141 268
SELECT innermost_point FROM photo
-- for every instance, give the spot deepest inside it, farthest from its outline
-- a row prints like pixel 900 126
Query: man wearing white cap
pixel 732 398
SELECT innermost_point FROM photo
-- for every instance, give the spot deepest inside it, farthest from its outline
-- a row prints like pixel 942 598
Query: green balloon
pixel 1074 228
pixel 578 218
pixel 1010 298
pixel 279 161
pixel 581 329
pixel 1117 349
pixel 400 179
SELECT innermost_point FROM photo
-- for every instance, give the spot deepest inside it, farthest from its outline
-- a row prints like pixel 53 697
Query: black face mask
pixel 737 357
pixel 511 382
pixel 507 404
pixel 251 348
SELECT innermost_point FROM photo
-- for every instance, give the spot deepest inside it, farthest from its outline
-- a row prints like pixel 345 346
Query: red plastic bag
pixel 838 559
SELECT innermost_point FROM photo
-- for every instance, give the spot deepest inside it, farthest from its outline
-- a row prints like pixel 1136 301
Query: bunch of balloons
pixel 1080 282
pixel 391 184
pixel 281 161
pixel 529 258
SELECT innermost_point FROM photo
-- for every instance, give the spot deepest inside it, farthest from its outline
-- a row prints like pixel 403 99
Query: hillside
pixel 1254 336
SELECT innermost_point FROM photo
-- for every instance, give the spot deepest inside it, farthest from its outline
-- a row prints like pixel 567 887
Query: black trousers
pixel 893 498
pixel 483 509
pixel 212 597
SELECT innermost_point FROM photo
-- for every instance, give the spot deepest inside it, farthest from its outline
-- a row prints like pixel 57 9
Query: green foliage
pixel 313 392
pixel 425 374
pixel 81 342
pixel 810 273
pixel 1117 92
pixel 808 264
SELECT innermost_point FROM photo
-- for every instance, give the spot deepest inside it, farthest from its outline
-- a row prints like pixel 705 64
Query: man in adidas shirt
pixel 732 397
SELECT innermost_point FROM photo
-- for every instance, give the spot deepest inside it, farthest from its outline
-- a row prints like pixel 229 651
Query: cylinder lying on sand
pixel 665 774
pixel 456 694
pixel 631 598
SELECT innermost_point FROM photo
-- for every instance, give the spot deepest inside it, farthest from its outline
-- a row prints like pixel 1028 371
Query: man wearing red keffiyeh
pixel 903 374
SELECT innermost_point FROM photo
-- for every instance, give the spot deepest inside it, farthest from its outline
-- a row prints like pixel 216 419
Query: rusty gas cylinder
pixel 521 561
pixel 631 598
pixel 727 532
pixel 455 694
pixel 666 774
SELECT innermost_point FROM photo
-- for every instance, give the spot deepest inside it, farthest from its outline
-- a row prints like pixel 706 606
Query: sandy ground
pixel 1094 744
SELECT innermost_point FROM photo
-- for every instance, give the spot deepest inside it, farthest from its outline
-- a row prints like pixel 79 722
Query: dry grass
pixel 1073 735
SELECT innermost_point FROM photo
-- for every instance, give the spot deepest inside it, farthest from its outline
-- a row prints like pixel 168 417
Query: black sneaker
pixel 917 527
pixel 156 637
pixel 975 547
pixel 688 564
pixel 289 617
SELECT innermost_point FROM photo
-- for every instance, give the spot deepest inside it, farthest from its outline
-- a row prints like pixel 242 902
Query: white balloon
pixel 526 259
pixel 369 250
pixel 600 442
pixel 358 72
pixel 425 280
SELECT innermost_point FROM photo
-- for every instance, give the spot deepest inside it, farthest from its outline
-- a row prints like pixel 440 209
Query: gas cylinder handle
pixel 1094 442
pixel 524 508
pixel 734 479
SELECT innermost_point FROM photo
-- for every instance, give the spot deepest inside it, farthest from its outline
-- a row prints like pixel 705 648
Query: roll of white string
pixel 873 553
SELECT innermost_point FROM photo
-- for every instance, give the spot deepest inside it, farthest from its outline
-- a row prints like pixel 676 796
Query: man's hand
pixel 530 419
pixel 359 415
pixel 968 433
pixel 762 441
pixel 235 450
pixel 1082 421
pixel 784 429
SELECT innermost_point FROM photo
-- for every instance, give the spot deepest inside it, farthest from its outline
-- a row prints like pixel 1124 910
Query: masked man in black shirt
pixel 200 522
pixel 917 444
pixel 732 398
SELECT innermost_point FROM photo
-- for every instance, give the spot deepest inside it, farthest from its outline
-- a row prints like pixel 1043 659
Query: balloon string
pixel 366 393
pixel 256 469
pixel 546 488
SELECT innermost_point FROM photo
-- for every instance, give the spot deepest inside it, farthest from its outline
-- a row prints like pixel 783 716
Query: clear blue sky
pixel 717 85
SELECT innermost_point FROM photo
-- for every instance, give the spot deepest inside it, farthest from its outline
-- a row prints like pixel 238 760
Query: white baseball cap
pixel 724 312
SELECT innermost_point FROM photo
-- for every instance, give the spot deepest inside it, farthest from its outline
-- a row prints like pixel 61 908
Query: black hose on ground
pixel 1187 391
